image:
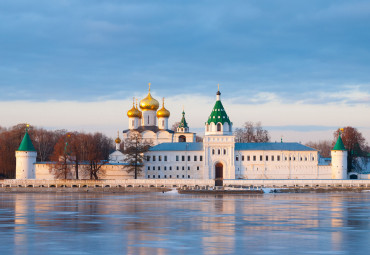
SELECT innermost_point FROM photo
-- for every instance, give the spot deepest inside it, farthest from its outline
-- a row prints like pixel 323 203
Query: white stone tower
pixel 339 156
pixel 25 159
pixel 163 114
pixel 219 144
pixel 149 106
pixel 134 116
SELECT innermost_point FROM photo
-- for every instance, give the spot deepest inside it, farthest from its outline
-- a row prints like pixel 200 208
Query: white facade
pixel 25 164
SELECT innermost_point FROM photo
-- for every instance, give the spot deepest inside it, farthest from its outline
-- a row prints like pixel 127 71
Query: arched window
pixel 182 139
pixel 148 120
pixel 218 126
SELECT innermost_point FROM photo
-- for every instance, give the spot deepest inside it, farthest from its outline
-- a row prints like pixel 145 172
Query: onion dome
pixel 149 103
pixel 118 140
pixel 134 112
pixel 163 112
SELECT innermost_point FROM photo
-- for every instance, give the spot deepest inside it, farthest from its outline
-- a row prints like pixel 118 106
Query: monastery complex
pixel 177 155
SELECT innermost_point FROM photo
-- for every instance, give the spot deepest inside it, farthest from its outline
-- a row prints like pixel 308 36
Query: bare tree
pixel 175 126
pixel 251 133
pixel 61 166
pixel 135 147
pixel 97 148
pixel 324 147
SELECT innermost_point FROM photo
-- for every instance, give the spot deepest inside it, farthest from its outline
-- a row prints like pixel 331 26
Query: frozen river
pixel 337 223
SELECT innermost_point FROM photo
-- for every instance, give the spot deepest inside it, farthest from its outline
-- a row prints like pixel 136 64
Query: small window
pixel 213 152
pixel 237 158
pixel 219 151
pixel 272 158
pixel 267 158
pixel 254 158
pixel 197 167
pixel 188 167
pixel 153 176
pixel 159 177
pixel 195 158
pixel 177 176
pixel 182 158
pixel 177 158
pixel 224 151
pixel 290 158
pixel 153 158
pixel 148 176
pixel 148 167
pixel 183 168
pixel 159 168
pixel 188 176
pixel 293 158
pixel 200 158
pixel 165 158
pixel 170 167
pixel 189 158
pixel 170 176
pixel 248 158
pixel 147 158
pixel 177 168
pixel 165 176
pixel 153 167
pixel 183 176
pixel 159 158
pixel 261 158
pixel 278 158
pixel 165 168
pixel 242 157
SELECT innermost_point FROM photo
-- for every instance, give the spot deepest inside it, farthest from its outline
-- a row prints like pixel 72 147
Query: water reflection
pixel 182 224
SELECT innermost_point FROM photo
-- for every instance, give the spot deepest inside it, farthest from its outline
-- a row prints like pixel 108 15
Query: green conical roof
pixel 339 146
pixel 218 114
pixel 26 144
pixel 183 123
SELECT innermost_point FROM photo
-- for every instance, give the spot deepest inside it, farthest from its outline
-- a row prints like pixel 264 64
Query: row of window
pixel 154 158
pixel 165 176
pixel 219 151
pixel 169 168
pixel 272 158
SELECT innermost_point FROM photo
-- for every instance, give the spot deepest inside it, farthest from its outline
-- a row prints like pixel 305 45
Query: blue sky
pixel 291 52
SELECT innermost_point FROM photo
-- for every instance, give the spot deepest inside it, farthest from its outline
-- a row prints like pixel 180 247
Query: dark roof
pixel 272 147
pixel 178 147
pixel 141 129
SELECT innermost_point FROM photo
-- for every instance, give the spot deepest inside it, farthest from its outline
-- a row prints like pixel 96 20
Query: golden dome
pixel 163 112
pixel 117 139
pixel 149 103
pixel 134 112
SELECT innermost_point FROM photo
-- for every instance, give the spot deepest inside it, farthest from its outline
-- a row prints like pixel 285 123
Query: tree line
pixel 62 148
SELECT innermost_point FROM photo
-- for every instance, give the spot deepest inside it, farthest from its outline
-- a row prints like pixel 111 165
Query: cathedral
pixel 177 155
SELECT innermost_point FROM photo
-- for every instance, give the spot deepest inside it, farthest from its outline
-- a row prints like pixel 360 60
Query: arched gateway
pixel 219 174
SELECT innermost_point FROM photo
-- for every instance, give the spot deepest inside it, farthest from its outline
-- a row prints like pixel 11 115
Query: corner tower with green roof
pixel 182 132
pixel 25 159
pixel 339 162
pixel 218 122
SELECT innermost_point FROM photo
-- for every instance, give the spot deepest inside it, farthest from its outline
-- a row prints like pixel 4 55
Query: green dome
pixel 339 146
pixel 26 144
pixel 218 114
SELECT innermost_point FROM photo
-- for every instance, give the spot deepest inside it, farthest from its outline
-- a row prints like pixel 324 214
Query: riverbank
pixel 82 190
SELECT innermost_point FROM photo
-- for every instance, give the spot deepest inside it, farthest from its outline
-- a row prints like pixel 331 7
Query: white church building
pixel 177 155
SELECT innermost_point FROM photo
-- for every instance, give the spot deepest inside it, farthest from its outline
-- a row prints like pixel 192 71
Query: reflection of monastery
pixel 176 155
